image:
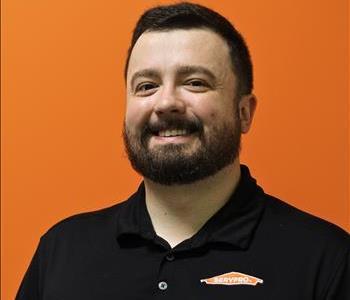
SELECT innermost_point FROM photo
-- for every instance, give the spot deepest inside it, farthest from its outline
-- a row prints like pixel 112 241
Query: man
pixel 199 227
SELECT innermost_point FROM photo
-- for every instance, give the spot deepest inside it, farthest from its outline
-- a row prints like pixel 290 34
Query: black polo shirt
pixel 255 247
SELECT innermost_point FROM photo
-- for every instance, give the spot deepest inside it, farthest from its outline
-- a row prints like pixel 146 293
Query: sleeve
pixel 31 284
pixel 340 285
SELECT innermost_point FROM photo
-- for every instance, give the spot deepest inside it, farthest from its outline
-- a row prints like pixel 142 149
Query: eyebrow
pixel 182 71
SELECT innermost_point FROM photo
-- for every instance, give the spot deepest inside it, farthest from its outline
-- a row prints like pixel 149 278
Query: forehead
pixel 168 50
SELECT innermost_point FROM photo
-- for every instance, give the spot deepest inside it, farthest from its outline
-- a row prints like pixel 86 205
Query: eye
pixel 145 88
pixel 197 85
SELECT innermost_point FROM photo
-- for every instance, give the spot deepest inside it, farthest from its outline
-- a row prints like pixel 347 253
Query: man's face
pixel 181 123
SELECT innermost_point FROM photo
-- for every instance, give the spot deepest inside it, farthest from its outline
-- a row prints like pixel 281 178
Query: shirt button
pixel 170 257
pixel 162 285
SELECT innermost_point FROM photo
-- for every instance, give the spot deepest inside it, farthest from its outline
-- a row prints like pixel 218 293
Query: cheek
pixel 137 113
pixel 212 107
pixel 208 113
pixel 213 115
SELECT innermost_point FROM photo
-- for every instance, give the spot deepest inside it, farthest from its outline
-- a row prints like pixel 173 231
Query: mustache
pixel 190 125
pixel 174 123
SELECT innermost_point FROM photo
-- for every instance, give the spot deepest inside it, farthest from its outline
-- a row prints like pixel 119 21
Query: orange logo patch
pixel 233 278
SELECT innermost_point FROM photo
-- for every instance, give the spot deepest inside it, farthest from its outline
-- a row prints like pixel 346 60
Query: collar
pixel 233 224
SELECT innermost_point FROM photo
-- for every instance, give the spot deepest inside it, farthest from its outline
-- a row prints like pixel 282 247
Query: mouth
pixel 173 132
pixel 177 136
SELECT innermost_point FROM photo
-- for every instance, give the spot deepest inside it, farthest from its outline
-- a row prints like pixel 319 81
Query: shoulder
pixel 306 244
pixel 300 220
pixel 303 229
pixel 76 227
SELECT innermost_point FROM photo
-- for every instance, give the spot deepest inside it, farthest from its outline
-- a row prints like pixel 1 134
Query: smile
pixel 173 132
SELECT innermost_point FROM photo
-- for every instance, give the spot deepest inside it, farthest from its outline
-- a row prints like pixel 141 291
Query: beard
pixel 175 164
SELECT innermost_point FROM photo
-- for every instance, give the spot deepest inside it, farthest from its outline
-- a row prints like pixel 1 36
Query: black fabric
pixel 115 254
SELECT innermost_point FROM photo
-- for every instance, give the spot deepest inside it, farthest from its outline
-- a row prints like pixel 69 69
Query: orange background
pixel 63 106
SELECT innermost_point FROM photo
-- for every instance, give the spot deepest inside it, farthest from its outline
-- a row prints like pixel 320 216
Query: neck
pixel 179 211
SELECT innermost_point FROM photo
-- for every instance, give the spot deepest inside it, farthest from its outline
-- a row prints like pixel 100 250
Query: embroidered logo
pixel 233 278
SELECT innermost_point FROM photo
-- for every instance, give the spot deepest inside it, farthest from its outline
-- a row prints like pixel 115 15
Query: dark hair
pixel 187 16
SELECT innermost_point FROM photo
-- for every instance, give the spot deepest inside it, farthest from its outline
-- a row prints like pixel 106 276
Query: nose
pixel 169 102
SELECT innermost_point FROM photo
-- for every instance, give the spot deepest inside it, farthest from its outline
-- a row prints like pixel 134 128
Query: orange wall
pixel 63 103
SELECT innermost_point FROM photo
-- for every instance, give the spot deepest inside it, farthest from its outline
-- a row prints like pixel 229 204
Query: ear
pixel 246 106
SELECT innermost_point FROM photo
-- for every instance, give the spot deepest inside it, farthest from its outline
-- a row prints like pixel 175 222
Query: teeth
pixel 173 132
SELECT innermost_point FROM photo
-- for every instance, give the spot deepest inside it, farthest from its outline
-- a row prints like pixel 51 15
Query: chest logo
pixel 233 278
